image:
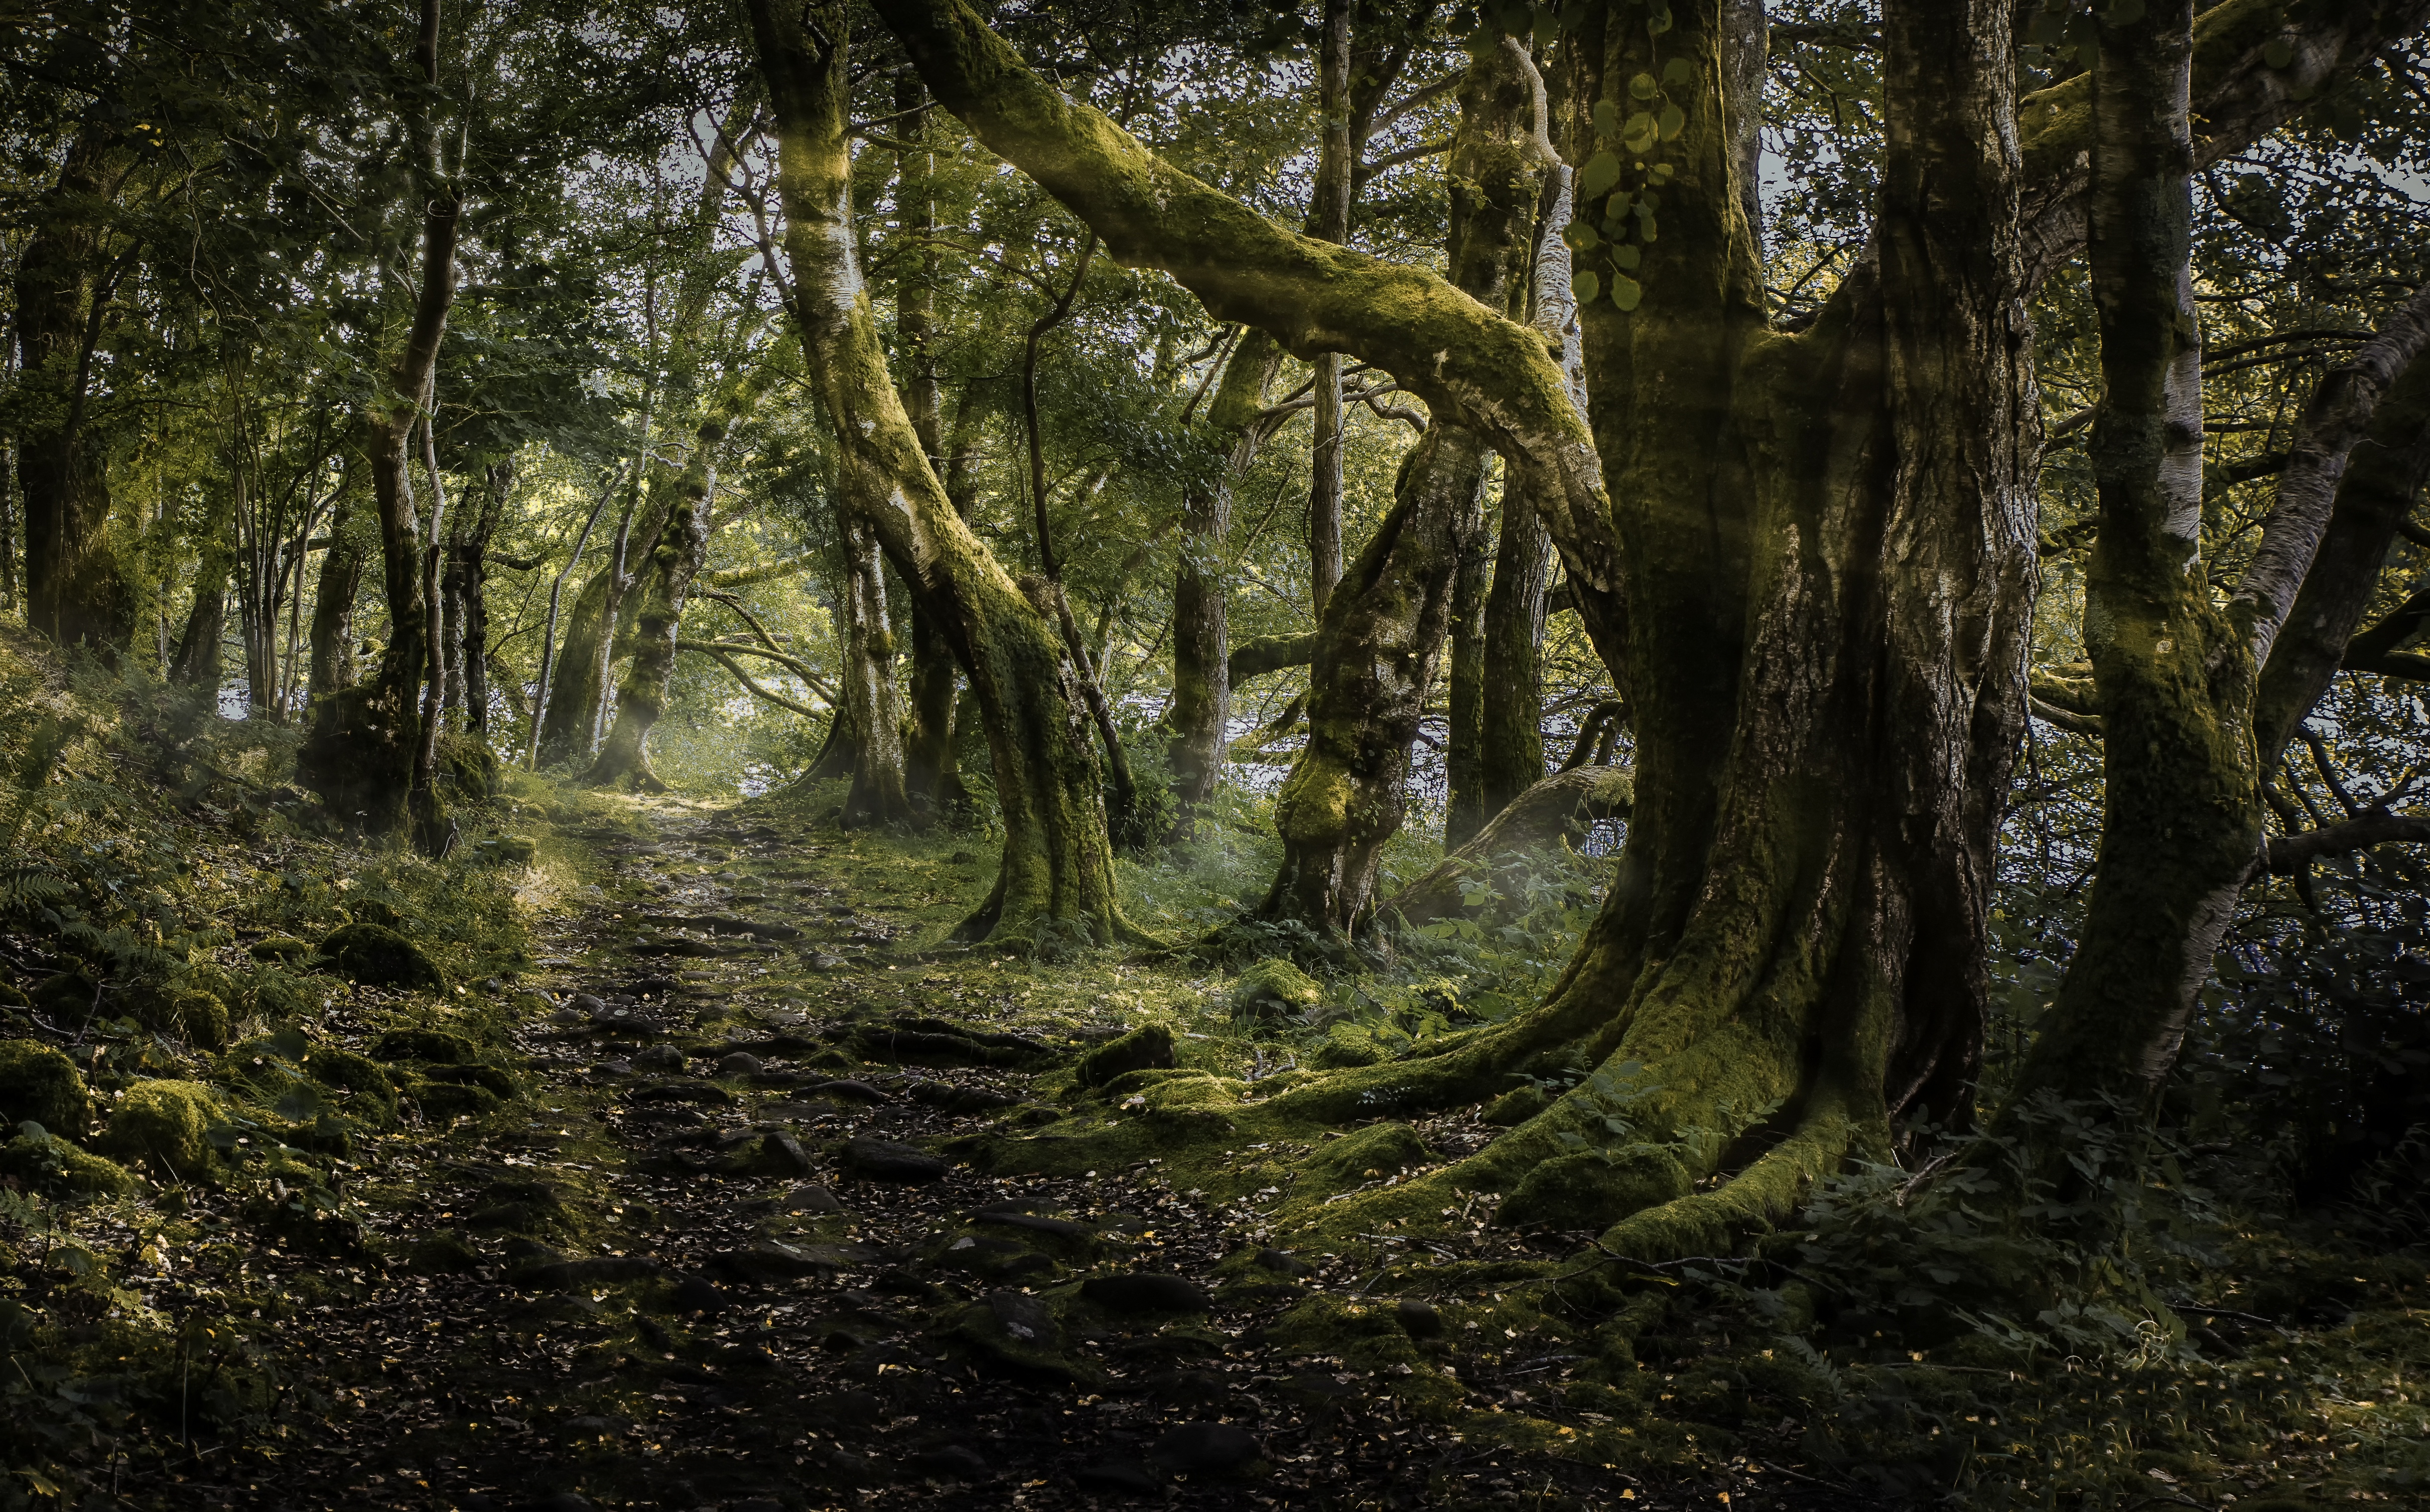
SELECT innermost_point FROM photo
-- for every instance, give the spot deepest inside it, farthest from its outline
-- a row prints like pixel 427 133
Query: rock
pixel 434 1047
pixel 70 992
pixel 1273 988
pixel 281 948
pixel 1282 1262
pixel 442 1254
pixel 1591 1190
pixel 1127 1476
pixel 381 957
pixel 1144 1048
pixel 1418 1320
pixel 1203 1449
pixel 1024 1318
pixel 697 1294
pixel 587 1426
pixel 1146 1291
pixel 873 1159
pixel 42 1085
pixel 809 1199
pixel 165 1125
pixel 198 1017
pixel 1061 1228
pixel 659 1060
pixel 588 1003
pixel 739 1063
pixel 599 1271
pixel 950 1462
pixel 50 1163
pixel 558 1502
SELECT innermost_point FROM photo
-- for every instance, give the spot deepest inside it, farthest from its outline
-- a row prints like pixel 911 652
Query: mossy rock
pixel 1349 1044
pixel 47 1162
pixel 42 1085
pixel 1365 1155
pixel 470 768
pixel 1273 988
pixel 1589 1190
pixel 198 1017
pixel 370 1087
pixel 442 1254
pixel 435 1046
pixel 508 850
pixel 1516 1106
pixel 448 1100
pixel 281 948
pixel 1147 1047
pixel 164 1126
pixel 380 956
pixel 488 1077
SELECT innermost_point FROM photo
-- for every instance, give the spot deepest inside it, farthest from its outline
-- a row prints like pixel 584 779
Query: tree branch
pixel 2285 854
pixel 726 659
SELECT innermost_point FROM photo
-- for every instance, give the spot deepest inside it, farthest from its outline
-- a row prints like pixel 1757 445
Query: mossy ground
pixel 450 1245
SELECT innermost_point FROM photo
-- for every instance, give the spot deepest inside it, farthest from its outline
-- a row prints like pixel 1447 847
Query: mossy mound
pixel 444 1100
pixel 1593 1191
pixel 198 1017
pixel 379 957
pixel 369 1088
pixel 1366 1154
pixel 164 1126
pixel 1348 1044
pixel 1273 988
pixel 436 1046
pixel 468 767
pixel 12 998
pixel 1146 1047
pixel 281 948
pixel 40 1084
pixel 49 1163
pixel 70 992
pixel 1516 1106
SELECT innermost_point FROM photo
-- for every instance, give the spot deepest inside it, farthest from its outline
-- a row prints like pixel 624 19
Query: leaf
pixel 1673 122
pixel 1606 117
pixel 1637 134
pixel 1643 86
pixel 1628 257
pixel 1600 174
pixel 1677 71
pixel 1586 285
pixel 2278 52
pixel 1626 293
pixel 1616 207
pixel 1580 236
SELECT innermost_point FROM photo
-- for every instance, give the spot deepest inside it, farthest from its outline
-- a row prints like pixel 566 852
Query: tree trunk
pixel 1793 951
pixel 1200 715
pixel 340 581
pixel 74 593
pixel 196 662
pixel 573 709
pixel 1057 867
pixel 1329 219
pixel 865 678
pixel 1464 810
pixel 1383 629
pixel 500 479
pixel 1512 736
pixel 932 780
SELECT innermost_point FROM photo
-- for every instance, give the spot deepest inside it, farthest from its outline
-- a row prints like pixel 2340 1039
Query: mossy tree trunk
pixel 1510 735
pixel 474 568
pixel 1382 630
pixel 333 667
pixel 869 707
pixel 65 280
pixel 2189 732
pixel 1057 871
pixel 1464 810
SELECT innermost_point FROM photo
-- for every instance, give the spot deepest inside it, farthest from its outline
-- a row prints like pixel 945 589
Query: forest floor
pixel 709 1179
pixel 660 1290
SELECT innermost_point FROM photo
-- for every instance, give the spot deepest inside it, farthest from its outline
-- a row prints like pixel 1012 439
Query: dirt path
pixel 718 1267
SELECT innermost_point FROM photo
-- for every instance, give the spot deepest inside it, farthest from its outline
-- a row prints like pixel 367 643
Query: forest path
pixel 716 1267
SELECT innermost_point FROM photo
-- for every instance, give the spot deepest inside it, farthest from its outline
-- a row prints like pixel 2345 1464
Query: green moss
pixel 53 1164
pixel 281 948
pixel 162 1125
pixel 1145 1047
pixel 370 1088
pixel 1590 1191
pixel 1273 988
pixel 442 1101
pixel 1349 1044
pixel 1516 1106
pixel 380 956
pixel 42 1085
pixel 194 1015
pixel 70 992
pixel 1365 1155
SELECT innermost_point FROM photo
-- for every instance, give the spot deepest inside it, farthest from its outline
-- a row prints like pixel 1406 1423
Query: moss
pixel 468 765
pixel 488 1078
pixel 435 1046
pixel 1589 1190
pixel 53 1164
pixel 70 992
pixel 198 1016
pixel 1273 988
pixel 1149 1045
pixel 380 956
pixel 1350 1044
pixel 442 1254
pixel 40 1084
pixel 368 1086
pixel 447 1100
pixel 281 948
pixel 164 1126
pixel 1364 1155
pixel 1516 1106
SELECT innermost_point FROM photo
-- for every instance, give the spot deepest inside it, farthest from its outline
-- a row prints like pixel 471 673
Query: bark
pixel 1557 812
pixel 1329 219
pixel 340 582
pixel 196 662
pixel 572 711
pixel 868 708
pixel 1464 810
pixel 74 592
pixel 500 480
pixel 1200 715
pixel 1056 872
pixel 932 779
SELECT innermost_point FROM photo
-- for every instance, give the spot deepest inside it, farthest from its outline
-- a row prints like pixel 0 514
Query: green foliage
pixel 38 1083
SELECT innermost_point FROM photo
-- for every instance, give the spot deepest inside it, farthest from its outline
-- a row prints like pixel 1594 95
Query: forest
pixel 1333 754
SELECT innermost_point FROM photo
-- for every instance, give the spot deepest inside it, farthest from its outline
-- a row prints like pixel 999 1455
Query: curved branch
pixel 1269 653
pixel 724 659
pixel 2288 853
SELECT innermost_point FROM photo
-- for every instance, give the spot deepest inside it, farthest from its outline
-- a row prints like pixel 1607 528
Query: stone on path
pixel 873 1159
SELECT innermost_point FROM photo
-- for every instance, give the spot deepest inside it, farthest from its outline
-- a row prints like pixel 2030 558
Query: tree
pixel 1791 956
